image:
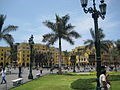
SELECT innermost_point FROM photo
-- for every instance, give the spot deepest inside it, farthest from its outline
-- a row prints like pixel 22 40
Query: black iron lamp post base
pixel 30 76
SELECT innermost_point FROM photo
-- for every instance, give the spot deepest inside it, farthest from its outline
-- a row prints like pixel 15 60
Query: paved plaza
pixel 14 75
pixel 25 73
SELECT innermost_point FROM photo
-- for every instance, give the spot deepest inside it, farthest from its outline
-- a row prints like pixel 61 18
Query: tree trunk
pixel 60 57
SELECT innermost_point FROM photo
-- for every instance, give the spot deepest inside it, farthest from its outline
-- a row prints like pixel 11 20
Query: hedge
pixel 86 84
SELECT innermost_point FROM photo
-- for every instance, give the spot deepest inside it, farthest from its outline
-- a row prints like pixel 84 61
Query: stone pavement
pixel 14 75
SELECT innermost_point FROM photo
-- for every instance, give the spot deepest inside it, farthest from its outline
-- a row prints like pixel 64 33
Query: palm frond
pixel 2 19
pixel 65 19
pixel 9 28
pixel 58 19
pixel 69 40
pixel 92 34
pixel 46 37
pixel 106 45
pixel 74 34
pixel 89 44
pixel 101 34
pixel 117 43
pixel 9 39
pixel 88 41
pixel 52 40
pixel 50 25
pixel 69 27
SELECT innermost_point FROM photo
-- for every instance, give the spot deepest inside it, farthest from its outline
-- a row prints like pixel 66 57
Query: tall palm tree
pixel 105 44
pixel 4 32
pixel 60 30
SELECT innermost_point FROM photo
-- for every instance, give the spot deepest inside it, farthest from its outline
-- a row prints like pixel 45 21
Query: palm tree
pixel 60 30
pixel 4 32
pixel 114 57
pixel 115 53
pixel 105 44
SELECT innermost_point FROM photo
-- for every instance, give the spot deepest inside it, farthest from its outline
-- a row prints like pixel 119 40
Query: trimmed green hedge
pixel 86 84
pixel 83 84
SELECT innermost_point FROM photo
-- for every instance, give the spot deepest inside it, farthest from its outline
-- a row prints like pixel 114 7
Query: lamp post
pixel 31 42
pixel 4 64
pixel 95 15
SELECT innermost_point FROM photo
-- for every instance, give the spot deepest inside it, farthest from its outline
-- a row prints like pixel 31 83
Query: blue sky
pixel 29 15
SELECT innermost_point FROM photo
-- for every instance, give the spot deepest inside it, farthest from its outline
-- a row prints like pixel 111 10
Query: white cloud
pixel 38 38
pixel 84 24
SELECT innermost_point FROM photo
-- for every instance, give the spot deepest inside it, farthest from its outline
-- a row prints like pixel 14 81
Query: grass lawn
pixel 51 82
pixel 58 82
pixel 115 85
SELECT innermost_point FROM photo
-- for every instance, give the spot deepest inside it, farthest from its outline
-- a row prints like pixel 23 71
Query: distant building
pixel 4 56
pixel 21 55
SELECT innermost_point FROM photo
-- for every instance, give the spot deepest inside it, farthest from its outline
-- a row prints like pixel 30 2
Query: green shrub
pixel 83 84
pixel 76 74
pixel 114 77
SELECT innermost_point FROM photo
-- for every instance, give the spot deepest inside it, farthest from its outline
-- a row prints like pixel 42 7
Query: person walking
pixel 104 81
pixel 3 76
pixel 20 71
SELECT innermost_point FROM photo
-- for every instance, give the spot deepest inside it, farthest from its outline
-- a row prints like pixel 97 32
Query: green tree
pixel 115 54
pixel 114 57
pixel 60 30
pixel 104 44
pixel 4 32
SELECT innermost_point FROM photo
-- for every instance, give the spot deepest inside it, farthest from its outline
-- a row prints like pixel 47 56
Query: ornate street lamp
pixel 31 42
pixel 95 15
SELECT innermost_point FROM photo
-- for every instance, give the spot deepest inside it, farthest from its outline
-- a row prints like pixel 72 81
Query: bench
pixel 38 75
pixel 17 82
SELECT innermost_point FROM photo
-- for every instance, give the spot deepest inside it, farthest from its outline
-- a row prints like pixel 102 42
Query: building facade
pixel 4 56
pixel 82 57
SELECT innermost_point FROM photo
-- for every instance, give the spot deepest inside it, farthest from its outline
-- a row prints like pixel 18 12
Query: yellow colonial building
pixel 82 57
pixel 4 54
pixel 24 53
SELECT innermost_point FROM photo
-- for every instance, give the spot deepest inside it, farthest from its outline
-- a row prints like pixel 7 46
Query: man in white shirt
pixel 3 75
pixel 103 81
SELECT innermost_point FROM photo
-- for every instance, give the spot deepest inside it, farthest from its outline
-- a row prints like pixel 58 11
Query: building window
pixel 84 59
pixel 1 54
pixel 1 58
